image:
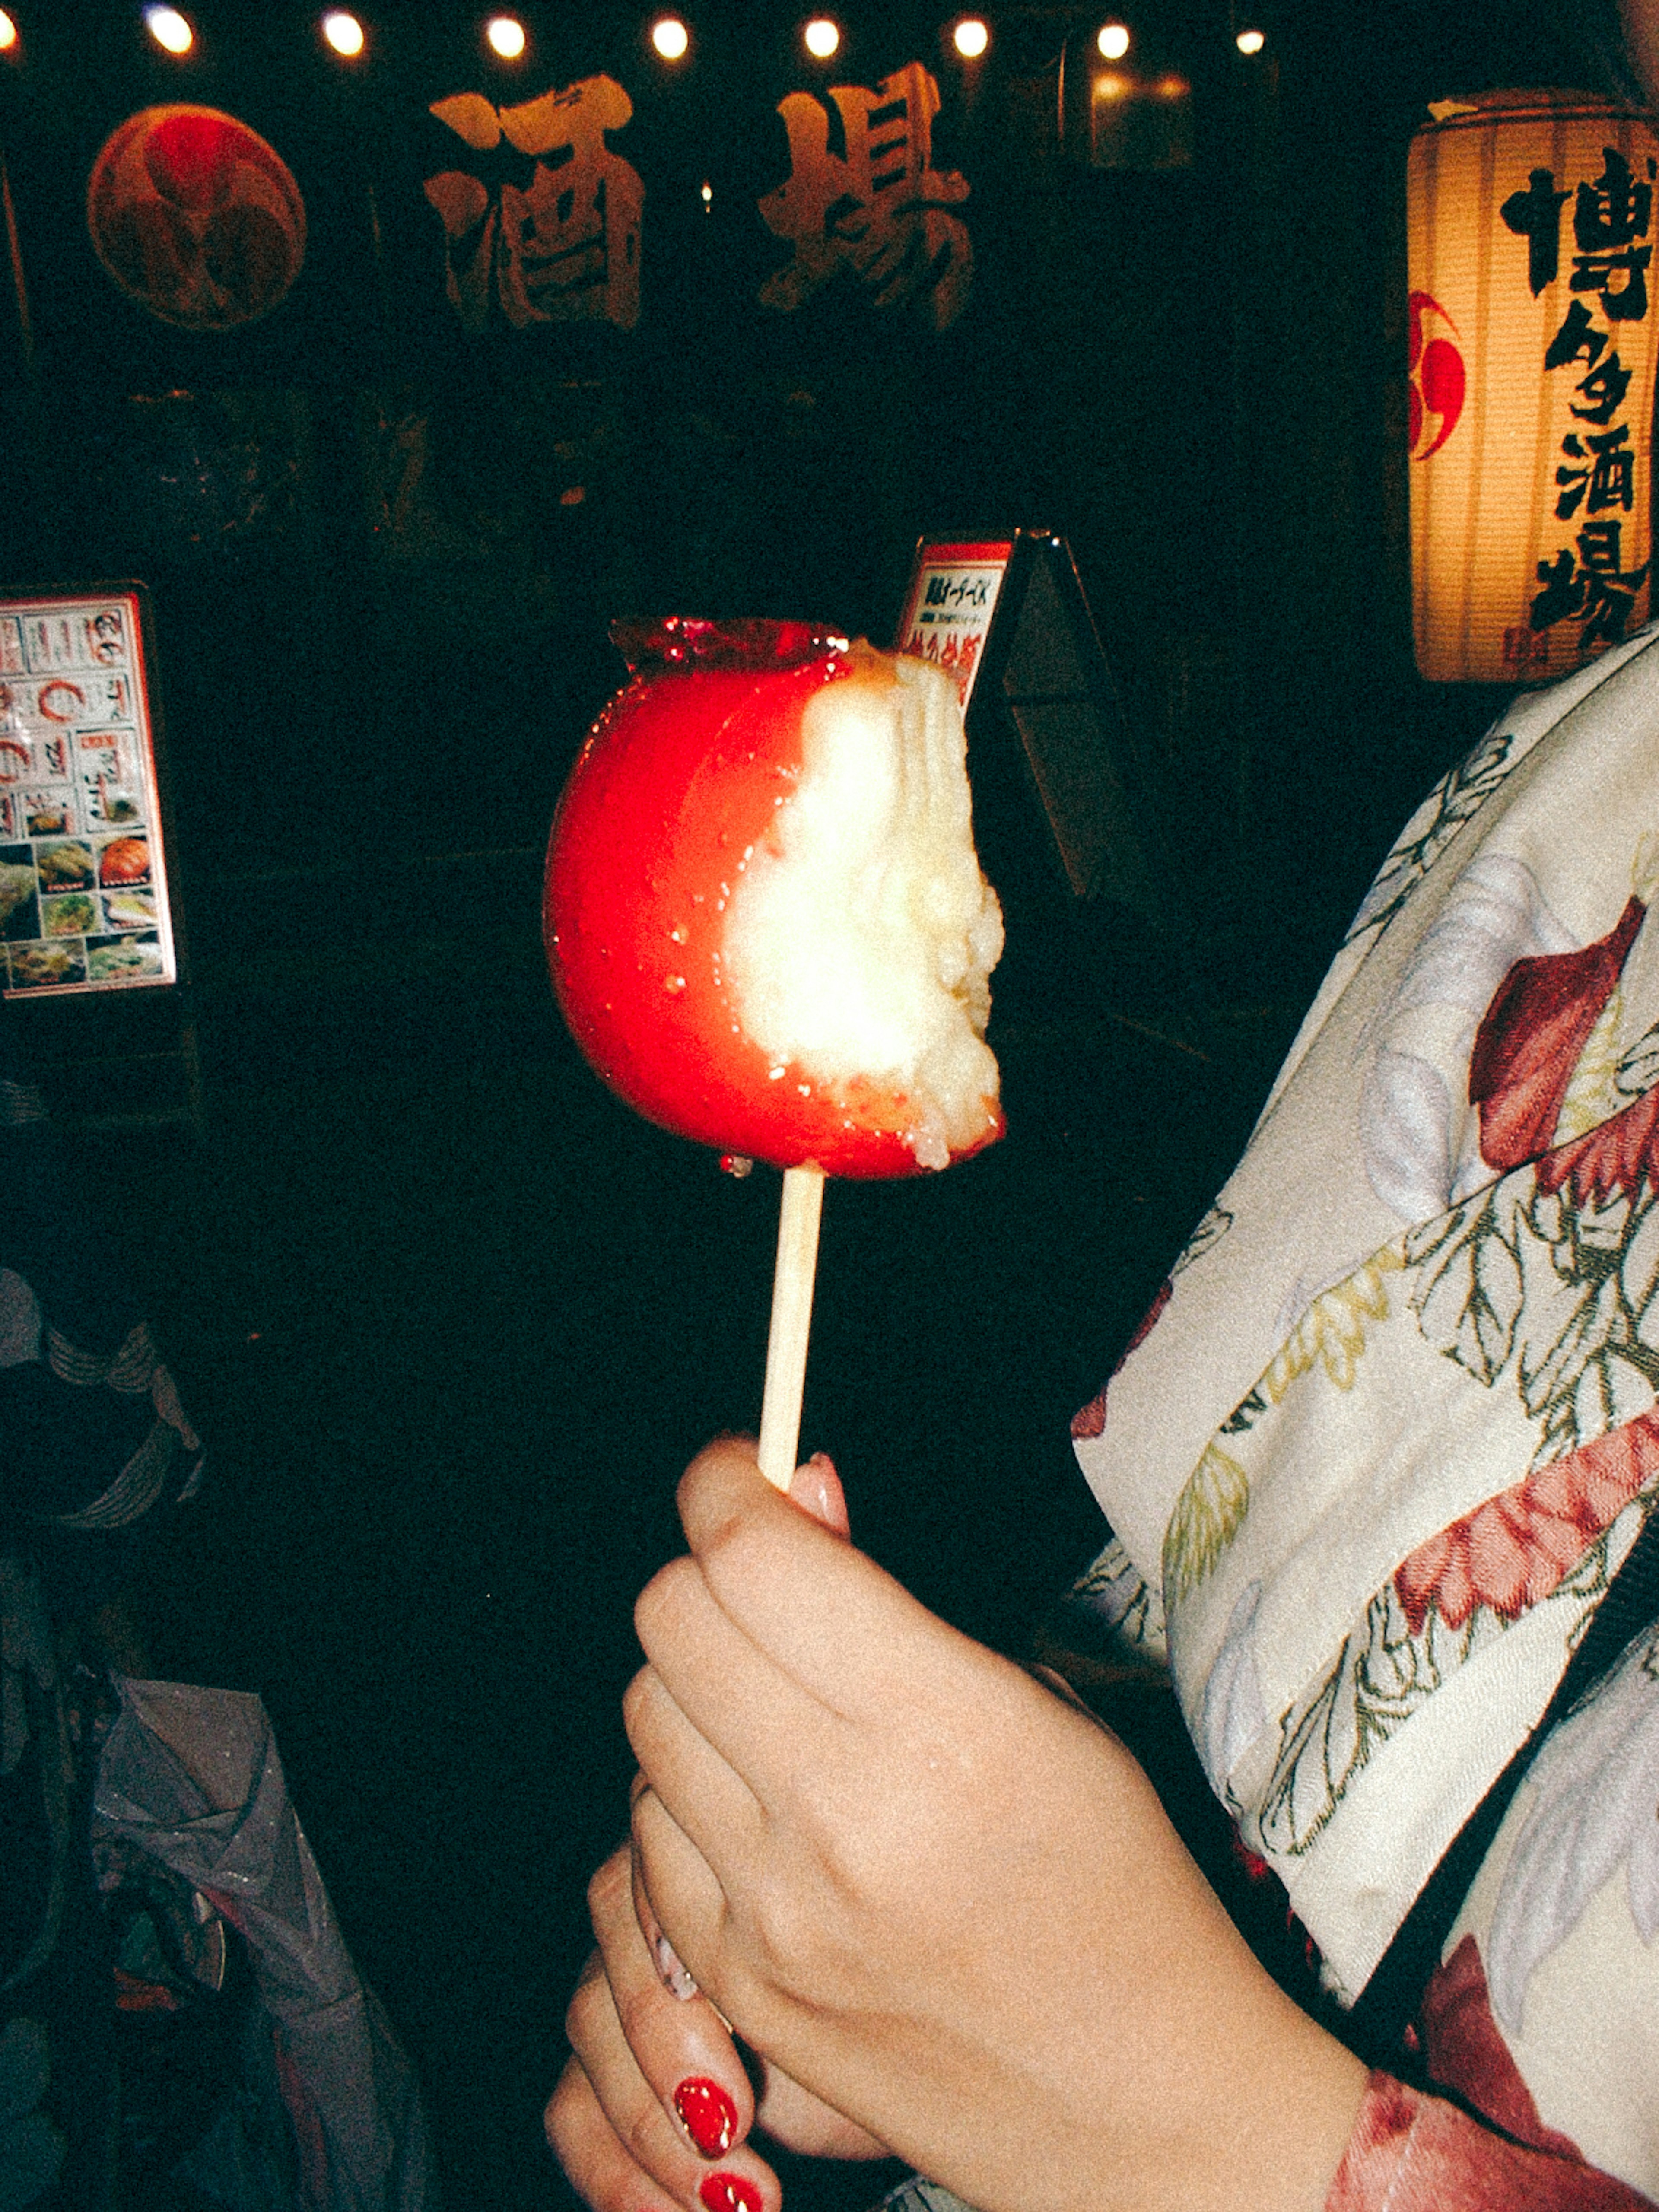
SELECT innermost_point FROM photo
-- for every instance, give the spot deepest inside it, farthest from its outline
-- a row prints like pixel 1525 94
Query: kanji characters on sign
pixel 1589 581
pixel 880 209
pixel 952 597
pixel 563 248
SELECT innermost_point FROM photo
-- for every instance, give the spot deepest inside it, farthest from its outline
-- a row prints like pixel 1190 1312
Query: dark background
pixel 449 1318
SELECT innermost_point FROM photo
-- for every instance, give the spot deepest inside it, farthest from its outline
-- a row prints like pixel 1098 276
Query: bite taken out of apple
pixel 765 919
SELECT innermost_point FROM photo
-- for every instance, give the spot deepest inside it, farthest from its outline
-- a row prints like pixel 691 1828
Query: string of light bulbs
pixel 669 36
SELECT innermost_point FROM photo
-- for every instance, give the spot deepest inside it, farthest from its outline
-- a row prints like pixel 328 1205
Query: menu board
pixel 949 607
pixel 83 897
pixel 1016 606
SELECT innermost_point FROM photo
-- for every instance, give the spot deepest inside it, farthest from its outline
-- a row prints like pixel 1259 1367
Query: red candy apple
pixel 765 920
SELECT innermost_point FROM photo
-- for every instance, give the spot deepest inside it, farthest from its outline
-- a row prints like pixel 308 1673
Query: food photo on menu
pixel 64 865
pixel 102 758
pixel 74 910
pixel 128 910
pixel 46 813
pixel 49 965
pixel 122 959
pixel 20 905
pixel 71 914
pixel 124 861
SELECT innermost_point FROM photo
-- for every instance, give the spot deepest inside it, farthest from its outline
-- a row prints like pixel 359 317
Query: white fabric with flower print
pixel 1393 1426
pixel 1564 1919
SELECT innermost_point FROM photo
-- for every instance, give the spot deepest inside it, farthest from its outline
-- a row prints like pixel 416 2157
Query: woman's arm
pixel 1046 2006
pixel 945 1902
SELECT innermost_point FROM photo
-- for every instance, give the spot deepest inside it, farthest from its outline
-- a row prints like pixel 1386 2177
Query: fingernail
pixel 675 1978
pixel 707 2115
pixel 730 2192
pixel 815 1491
pixel 816 1488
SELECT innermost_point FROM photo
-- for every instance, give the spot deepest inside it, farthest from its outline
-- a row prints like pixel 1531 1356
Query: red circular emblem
pixel 1436 368
pixel 195 218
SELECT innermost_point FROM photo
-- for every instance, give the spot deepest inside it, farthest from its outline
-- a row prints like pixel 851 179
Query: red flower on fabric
pixel 1147 1322
pixel 1468 2052
pixel 1532 1035
pixel 1416 2153
pixel 1511 1552
pixel 1619 1155
pixel 1091 1421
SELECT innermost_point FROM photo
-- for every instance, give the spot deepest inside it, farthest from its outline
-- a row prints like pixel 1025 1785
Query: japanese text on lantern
pixel 565 247
pixel 1531 358
pixel 1595 477
pixel 879 208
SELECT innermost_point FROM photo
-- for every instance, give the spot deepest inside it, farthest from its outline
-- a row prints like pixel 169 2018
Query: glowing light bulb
pixel 1251 42
pixel 506 36
pixel 344 32
pixel 1112 42
pixel 972 36
pixel 169 29
pixel 821 38
pixel 671 38
pixel 8 32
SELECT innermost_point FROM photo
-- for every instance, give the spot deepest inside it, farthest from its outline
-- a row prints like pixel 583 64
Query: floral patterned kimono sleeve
pixel 1390 1432
pixel 1414 2154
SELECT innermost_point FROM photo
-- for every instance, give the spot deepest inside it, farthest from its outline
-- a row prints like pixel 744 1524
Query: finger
pixel 675 1975
pixel 809 2126
pixel 609 2128
pixel 673 1971
pixel 714 1807
pixel 734 1724
pixel 832 1620
pixel 683 1892
pixel 589 2150
pixel 680 2045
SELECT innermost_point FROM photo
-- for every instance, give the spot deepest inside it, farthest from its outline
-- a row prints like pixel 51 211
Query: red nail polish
pixel 708 2114
pixel 730 2192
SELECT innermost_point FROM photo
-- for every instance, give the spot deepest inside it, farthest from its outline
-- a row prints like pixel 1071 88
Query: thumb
pixel 816 1488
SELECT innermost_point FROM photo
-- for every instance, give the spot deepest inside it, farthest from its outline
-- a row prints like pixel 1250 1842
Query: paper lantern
pixel 1532 357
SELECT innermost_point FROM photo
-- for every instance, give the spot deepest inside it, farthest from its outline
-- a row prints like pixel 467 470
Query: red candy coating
pixel 679 780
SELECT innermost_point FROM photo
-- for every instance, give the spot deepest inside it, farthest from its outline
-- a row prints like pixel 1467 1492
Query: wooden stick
pixel 792 1320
